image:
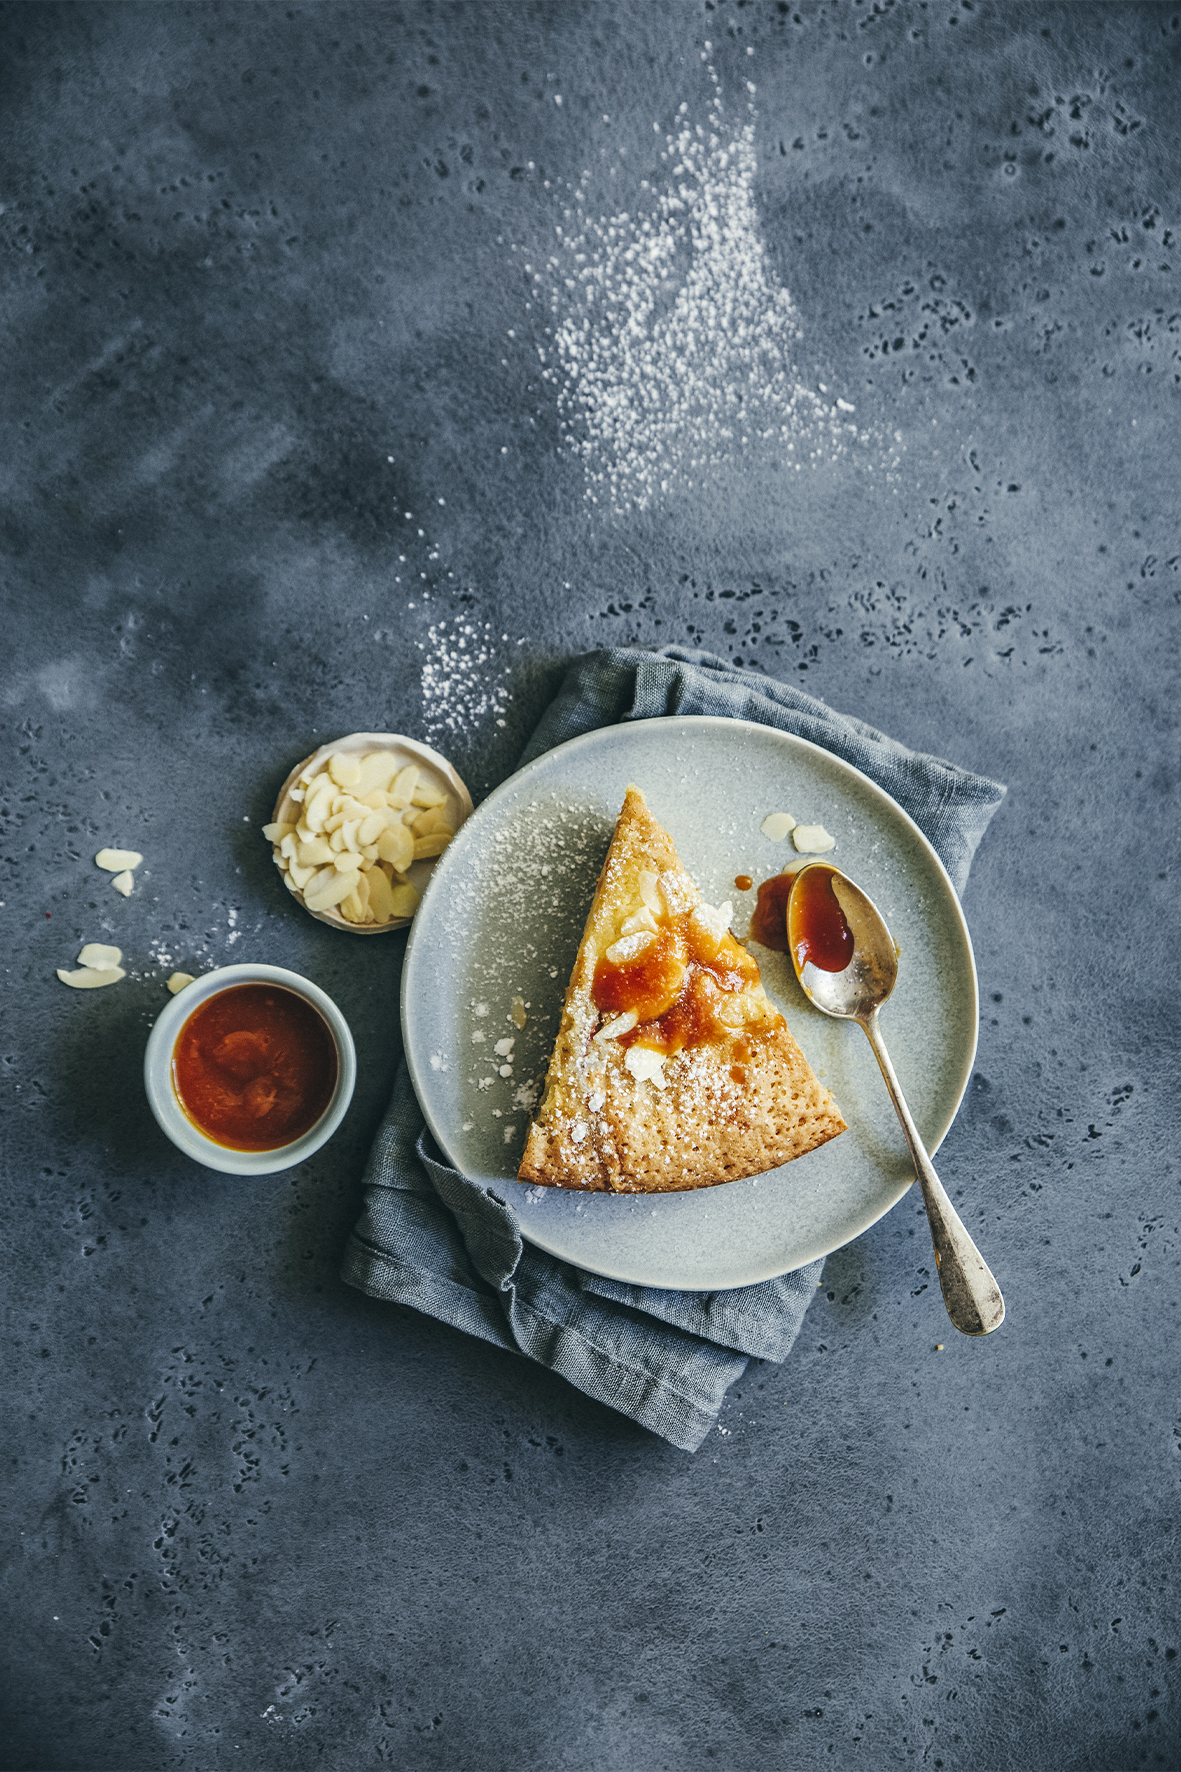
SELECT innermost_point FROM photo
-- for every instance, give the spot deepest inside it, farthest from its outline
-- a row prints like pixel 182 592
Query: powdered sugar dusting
pixel 671 346
pixel 463 684
pixel 526 894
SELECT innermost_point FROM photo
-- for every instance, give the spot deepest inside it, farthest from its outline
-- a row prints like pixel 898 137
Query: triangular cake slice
pixel 671 1069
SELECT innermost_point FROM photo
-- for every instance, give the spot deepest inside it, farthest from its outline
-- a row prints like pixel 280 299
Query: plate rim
pixel 452 856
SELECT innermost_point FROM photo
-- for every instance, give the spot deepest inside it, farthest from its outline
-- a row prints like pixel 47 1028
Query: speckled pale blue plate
pixel 503 916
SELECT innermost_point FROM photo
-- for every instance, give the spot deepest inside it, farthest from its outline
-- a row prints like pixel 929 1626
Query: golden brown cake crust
pixel 740 1104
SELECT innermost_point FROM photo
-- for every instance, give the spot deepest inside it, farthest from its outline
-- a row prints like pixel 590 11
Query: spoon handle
pixel 972 1296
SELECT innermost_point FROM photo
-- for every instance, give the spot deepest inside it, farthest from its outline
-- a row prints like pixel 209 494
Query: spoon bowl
pixel 820 921
pixel 871 974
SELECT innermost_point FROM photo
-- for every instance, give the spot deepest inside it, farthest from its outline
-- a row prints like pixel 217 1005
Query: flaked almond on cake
pixel 671 1069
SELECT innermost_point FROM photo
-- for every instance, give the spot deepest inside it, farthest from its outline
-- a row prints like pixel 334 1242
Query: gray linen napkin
pixel 430 1238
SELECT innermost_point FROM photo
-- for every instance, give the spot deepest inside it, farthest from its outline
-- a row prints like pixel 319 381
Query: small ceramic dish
pixel 161 1088
pixel 436 770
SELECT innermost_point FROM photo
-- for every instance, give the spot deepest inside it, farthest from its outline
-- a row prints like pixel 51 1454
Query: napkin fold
pixel 430 1238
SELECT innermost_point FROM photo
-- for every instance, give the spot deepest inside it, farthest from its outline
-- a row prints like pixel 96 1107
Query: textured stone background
pixel 251 252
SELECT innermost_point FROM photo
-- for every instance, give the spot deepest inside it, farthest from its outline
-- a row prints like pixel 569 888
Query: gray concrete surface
pixel 250 254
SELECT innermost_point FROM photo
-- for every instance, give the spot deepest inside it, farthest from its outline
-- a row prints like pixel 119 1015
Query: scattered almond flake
pixel 114 861
pixel 91 978
pixel 777 825
pixel 649 883
pixel 812 839
pixel 645 1065
pixel 100 956
pixel 178 981
pixel 629 947
pixel 678 892
pixel 124 883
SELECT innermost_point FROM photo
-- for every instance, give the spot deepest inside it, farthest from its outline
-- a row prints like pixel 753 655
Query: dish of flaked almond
pixel 672 1069
pixel 496 943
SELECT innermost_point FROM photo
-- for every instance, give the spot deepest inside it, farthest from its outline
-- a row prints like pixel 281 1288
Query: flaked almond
pixel 91 978
pixel 678 893
pixel 100 955
pixel 320 897
pixel 344 770
pixel 650 891
pixel 426 847
pixel 812 839
pixel 629 947
pixel 406 901
pixel 425 795
pixel 645 1065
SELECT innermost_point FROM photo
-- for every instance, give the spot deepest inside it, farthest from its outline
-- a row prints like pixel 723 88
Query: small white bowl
pixel 173 1120
pixel 439 773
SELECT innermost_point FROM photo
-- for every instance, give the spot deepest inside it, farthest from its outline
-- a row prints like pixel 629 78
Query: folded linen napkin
pixel 430 1238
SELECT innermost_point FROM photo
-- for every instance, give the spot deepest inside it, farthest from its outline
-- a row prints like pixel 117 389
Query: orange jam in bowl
pixel 255 1067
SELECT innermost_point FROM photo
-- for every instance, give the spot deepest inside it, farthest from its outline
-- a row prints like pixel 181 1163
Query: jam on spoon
pixel 821 933
pixel 818 930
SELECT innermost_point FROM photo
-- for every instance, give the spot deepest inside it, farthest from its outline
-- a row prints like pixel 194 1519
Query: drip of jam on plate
pixel 676 985
pixel 816 925
pixel 254 1067
pixel 743 882
pixel 768 925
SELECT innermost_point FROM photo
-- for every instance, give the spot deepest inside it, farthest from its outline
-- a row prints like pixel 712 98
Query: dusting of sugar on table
pixel 671 342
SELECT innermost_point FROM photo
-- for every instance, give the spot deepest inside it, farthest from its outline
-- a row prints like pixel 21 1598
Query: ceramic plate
pixel 503 916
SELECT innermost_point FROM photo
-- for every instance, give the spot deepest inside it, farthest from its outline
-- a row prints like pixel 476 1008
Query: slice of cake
pixel 671 1069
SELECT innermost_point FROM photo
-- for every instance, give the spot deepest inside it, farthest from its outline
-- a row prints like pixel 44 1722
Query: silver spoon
pixel 972 1296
